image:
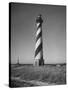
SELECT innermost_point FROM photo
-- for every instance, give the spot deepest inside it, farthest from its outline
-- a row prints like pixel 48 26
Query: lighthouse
pixel 38 61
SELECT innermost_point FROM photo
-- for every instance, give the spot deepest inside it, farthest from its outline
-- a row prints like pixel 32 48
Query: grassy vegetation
pixel 47 73
pixel 15 84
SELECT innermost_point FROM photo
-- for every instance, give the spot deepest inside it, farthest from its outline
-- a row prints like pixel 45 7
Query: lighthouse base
pixel 39 62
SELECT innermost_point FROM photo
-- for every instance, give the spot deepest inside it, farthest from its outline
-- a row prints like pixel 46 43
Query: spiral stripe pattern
pixel 38 47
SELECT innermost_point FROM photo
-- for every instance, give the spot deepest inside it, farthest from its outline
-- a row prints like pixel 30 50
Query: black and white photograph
pixel 37 45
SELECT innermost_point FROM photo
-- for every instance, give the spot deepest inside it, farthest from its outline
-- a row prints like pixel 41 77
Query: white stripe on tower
pixel 38 46
pixel 38 31
pixel 38 56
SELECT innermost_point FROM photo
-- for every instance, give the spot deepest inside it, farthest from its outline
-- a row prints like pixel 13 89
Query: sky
pixel 23 32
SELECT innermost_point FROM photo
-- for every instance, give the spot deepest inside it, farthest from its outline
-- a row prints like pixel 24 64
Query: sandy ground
pixel 27 75
pixel 38 83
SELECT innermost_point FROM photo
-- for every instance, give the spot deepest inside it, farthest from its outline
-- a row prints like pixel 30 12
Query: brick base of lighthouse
pixel 39 62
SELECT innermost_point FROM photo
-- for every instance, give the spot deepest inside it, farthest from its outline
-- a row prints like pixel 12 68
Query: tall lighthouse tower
pixel 39 43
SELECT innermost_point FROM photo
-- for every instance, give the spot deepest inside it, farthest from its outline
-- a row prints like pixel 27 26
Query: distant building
pixel 18 61
pixel 58 65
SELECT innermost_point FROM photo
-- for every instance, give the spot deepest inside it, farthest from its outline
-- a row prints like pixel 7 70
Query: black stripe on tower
pixel 39 26
pixel 39 48
pixel 39 35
